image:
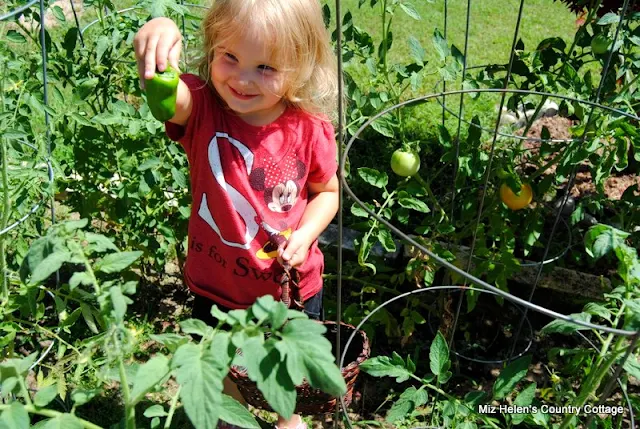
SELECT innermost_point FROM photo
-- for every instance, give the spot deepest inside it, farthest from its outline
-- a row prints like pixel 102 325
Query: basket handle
pixel 290 290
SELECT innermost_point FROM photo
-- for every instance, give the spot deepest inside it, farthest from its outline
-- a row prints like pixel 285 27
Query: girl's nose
pixel 244 78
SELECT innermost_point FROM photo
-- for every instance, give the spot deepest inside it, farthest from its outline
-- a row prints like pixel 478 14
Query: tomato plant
pixel 198 367
pixel 117 166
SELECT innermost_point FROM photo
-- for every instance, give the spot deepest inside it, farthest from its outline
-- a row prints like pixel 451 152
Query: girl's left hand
pixel 295 250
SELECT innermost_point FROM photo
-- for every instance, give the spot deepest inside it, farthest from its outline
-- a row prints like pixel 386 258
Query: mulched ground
pixel 558 127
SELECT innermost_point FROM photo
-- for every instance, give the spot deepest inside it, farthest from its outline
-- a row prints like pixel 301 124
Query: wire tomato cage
pixel 22 149
pixel 479 285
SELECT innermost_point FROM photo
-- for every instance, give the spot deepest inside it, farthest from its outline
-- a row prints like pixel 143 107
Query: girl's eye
pixel 266 68
pixel 230 57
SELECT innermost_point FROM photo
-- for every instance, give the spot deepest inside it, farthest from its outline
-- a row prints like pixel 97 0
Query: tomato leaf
pixel 155 411
pixel 119 303
pixel 563 327
pixel 373 177
pixel 524 399
pixel 440 43
pixel 80 278
pixel 385 366
pixel 439 361
pixel 308 353
pixel 510 376
pixel 269 371
pixel 412 203
pixel 49 265
pixel 417 51
pixel 45 395
pixel 233 412
pixel 410 10
pixel 602 239
pixel 170 341
pixel 148 375
pixel 15 417
pixel 609 18
pixel 200 375
pixel 195 326
pixel 64 421
pixel 409 400
pixel 386 239
pixel 83 396
pixel 99 243
pixel 116 262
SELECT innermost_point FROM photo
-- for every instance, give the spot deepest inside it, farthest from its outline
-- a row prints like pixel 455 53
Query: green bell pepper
pixel 161 93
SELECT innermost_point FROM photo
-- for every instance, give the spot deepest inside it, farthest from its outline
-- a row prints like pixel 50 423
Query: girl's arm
pixel 157 43
pixel 321 209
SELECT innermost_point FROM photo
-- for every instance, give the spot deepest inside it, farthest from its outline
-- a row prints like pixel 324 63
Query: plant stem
pixel 355 121
pixel 52 414
pixel 540 171
pixel 172 409
pixel 454 399
pixel 607 343
pixel 594 379
pixel 129 407
pixel 48 332
pixel 375 222
pixel 432 197
pixel 61 294
pixel 5 219
pixel 75 247
pixel 25 391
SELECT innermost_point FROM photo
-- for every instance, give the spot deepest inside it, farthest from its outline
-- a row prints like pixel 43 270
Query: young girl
pixel 261 149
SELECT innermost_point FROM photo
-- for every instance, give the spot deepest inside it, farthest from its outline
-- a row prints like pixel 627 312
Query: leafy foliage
pixel 280 347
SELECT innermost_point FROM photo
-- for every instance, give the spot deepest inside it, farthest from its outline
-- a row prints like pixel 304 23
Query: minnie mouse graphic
pixel 279 184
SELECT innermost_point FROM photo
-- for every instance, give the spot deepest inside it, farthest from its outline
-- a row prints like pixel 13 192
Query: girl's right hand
pixel 157 43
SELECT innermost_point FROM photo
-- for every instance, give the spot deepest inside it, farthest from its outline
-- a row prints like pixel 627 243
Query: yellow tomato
pixel 513 201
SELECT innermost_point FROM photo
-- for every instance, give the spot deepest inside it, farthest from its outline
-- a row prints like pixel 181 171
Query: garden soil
pixel 558 127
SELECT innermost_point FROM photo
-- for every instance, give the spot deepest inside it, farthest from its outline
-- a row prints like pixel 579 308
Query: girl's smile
pixel 244 75
pixel 241 95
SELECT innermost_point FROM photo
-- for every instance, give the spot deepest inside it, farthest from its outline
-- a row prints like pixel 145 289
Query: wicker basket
pixel 310 400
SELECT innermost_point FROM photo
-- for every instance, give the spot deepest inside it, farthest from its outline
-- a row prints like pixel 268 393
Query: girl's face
pixel 247 81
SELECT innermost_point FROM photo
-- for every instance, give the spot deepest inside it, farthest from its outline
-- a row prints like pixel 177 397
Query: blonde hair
pixel 301 46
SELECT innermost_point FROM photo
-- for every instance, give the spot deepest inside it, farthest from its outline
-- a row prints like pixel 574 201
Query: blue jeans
pixel 202 309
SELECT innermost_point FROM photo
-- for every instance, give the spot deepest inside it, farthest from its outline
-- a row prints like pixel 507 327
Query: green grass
pixel 490 37
pixel 492 25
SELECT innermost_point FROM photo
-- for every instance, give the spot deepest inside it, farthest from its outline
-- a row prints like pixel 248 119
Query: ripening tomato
pixel 405 163
pixel 513 201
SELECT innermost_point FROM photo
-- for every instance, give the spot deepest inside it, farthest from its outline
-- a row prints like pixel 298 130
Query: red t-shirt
pixel 249 189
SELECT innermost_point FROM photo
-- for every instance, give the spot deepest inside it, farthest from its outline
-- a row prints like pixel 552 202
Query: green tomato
pixel 405 163
pixel 600 44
